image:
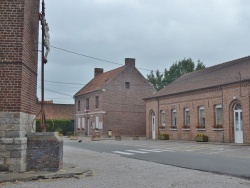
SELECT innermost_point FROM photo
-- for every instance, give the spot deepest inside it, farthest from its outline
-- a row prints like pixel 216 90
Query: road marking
pixel 164 150
pixel 152 150
pixel 123 153
pixel 135 151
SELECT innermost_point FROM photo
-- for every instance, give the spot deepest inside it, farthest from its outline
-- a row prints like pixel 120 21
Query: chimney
pixel 98 71
pixel 130 62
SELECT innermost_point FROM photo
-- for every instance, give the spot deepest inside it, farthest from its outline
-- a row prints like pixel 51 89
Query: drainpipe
pixel 158 116
pixel 223 114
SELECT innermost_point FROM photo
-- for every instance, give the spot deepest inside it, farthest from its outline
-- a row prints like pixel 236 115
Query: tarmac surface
pixel 84 168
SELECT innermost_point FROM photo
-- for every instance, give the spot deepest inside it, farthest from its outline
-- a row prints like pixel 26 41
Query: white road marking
pixel 164 150
pixel 123 153
pixel 135 151
pixel 152 150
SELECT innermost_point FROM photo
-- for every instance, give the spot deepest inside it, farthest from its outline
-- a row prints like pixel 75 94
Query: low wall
pixel 45 151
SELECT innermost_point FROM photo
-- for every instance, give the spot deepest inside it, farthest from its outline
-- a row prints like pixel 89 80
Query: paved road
pixel 223 159
pixel 114 170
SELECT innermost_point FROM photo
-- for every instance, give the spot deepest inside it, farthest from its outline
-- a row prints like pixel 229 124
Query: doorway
pixel 238 126
pixel 153 125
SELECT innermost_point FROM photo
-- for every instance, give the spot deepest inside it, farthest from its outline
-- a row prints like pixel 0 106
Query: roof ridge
pixel 100 81
pixel 220 74
pixel 221 65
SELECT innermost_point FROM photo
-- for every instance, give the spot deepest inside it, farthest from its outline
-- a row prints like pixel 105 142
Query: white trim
pixel 201 108
pixel 173 110
pixel 218 106
pixel 90 113
pixel 186 109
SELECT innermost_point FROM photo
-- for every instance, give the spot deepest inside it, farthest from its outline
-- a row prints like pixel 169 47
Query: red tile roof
pixel 99 81
pixel 221 74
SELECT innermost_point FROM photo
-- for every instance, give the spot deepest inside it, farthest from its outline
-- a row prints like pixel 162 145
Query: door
pixel 153 127
pixel 238 127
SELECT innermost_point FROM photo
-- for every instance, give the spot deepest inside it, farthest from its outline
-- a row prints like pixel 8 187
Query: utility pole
pixel 45 43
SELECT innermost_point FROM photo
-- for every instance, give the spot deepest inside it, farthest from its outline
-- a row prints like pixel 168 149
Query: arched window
pixel 237 107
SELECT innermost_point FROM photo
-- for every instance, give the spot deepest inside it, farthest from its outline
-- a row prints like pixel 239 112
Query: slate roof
pixel 221 74
pixel 99 81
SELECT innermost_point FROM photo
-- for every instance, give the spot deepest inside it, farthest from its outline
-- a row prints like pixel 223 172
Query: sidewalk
pixel 67 171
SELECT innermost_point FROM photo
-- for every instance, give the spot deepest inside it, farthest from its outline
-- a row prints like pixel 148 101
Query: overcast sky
pixel 154 32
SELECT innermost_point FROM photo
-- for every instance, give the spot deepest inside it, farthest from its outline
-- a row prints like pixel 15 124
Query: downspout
pixel 223 114
pixel 158 117
pixel 74 116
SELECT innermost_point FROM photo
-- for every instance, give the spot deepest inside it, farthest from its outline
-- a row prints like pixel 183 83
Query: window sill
pixel 218 129
pixel 173 129
pixel 186 129
pixel 200 129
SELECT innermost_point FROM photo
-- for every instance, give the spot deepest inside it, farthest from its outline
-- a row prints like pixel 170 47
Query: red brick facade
pixel 18 55
pixel 19 25
pixel 227 95
pixel 120 106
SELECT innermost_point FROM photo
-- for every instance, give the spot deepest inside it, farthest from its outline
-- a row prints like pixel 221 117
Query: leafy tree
pixel 200 65
pixel 159 80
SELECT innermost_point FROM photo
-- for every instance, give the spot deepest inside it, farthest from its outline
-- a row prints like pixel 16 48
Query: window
pixel 79 105
pixel 174 118
pixel 218 114
pixel 83 123
pixel 163 118
pixel 87 103
pixel 187 117
pixel 97 122
pixel 202 116
pixel 127 85
pixel 79 124
pixel 96 101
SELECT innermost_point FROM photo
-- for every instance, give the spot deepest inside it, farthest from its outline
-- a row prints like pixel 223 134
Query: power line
pixel 57 92
pixel 63 82
pixel 91 57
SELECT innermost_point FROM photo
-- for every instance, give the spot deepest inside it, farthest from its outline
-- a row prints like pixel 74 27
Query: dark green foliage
pixel 61 126
pixel 177 69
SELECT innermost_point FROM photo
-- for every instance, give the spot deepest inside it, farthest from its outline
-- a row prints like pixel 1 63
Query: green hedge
pixel 62 126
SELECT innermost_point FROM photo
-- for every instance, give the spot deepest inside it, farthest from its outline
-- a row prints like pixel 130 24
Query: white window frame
pixel 97 122
pixel 174 119
pixel 204 123
pixel 83 123
pixel 185 116
pixel 79 123
pixel 216 114
pixel 163 123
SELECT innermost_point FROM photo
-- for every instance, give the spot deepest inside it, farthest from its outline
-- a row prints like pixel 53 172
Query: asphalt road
pixel 229 160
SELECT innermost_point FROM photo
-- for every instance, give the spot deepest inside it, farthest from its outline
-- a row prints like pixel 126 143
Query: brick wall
pixel 19 25
pixel 18 55
pixel 125 108
pixel 227 96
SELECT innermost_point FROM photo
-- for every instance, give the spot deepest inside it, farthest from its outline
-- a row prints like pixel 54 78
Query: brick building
pixel 113 101
pixel 214 101
pixel 19 25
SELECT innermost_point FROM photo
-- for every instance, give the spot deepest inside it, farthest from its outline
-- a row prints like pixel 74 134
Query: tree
pixel 159 80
